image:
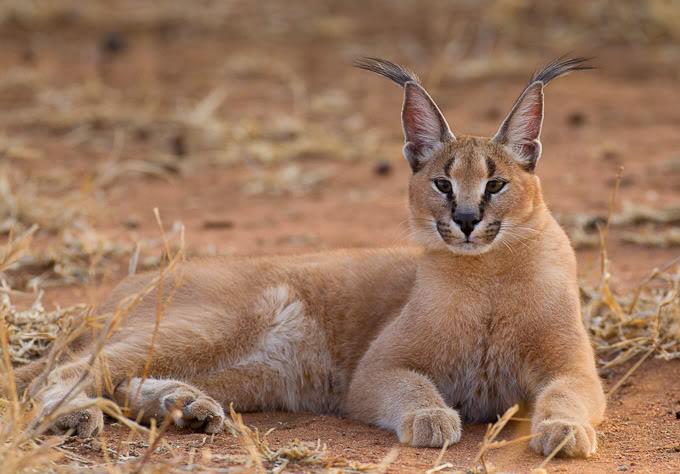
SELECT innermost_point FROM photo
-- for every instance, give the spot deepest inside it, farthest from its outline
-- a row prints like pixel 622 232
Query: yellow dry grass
pixel 640 225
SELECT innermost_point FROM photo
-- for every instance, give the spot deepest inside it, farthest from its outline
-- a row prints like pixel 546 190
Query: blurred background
pixel 245 122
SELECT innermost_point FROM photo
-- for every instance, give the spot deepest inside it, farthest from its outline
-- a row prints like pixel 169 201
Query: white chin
pixel 468 248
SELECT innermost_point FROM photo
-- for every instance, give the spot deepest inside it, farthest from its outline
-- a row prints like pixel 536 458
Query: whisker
pixel 508 246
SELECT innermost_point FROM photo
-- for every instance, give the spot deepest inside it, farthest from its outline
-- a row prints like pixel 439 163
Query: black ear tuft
pixel 388 69
pixel 560 67
pixel 520 132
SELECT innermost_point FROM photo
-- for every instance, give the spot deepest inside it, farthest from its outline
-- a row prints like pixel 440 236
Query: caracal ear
pixel 520 132
pixel 425 128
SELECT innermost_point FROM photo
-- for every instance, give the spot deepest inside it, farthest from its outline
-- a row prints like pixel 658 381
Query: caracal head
pixel 467 194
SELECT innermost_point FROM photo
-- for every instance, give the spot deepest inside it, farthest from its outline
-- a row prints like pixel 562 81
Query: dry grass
pixel 181 138
pixel 645 320
pixel 70 251
pixel 23 204
pixel 33 330
pixel 646 22
pixel 77 257
pixel 132 14
pixel 640 225
pixel 298 454
pixel 23 447
pixel 290 180
pixel 76 254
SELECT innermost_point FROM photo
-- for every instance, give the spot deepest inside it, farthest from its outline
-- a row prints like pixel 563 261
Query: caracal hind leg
pixel 249 387
pixel 157 398
pixel 68 398
pixel 195 339
pixel 202 398
pixel 117 363
pixel 129 353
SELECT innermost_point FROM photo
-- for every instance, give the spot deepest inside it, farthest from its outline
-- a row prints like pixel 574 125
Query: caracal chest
pixel 482 372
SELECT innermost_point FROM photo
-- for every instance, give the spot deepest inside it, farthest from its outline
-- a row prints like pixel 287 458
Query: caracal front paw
pixel 191 408
pixel 581 438
pixel 431 428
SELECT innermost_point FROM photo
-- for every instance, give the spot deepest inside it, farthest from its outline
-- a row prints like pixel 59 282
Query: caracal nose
pixel 466 221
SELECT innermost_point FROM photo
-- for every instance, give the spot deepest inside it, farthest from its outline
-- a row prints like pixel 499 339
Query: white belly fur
pixel 295 348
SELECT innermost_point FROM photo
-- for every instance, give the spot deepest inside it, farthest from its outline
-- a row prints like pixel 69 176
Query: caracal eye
pixel 443 185
pixel 494 185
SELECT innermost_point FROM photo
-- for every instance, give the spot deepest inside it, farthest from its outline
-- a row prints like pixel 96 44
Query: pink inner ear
pixel 412 120
pixel 534 120
pixel 529 149
pixel 423 124
pixel 525 122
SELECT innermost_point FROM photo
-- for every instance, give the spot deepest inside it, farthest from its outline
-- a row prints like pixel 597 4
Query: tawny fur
pixel 415 340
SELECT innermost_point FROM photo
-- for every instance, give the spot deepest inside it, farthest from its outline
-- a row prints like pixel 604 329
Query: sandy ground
pixel 640 434
pixel 596 122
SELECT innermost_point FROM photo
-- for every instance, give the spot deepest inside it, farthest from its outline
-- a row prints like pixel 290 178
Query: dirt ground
pixel 342 182
pixel 640 434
